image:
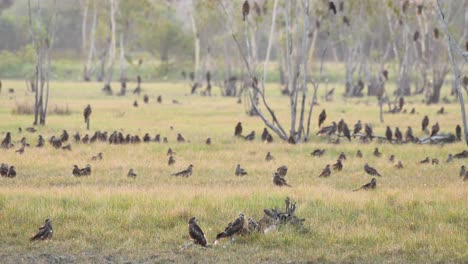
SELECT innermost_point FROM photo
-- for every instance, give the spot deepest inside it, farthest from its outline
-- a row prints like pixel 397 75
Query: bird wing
pixel 197 234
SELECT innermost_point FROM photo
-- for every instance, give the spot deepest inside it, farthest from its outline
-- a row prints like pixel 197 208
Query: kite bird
pixel 232 229
pixel 196 233
pixel 370 185
pixel 45 231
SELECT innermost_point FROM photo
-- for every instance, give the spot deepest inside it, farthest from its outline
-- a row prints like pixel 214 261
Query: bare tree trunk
pixel 122 58
pixel 196 37
pixel 112 44
pixel 91 48
pixel 85 5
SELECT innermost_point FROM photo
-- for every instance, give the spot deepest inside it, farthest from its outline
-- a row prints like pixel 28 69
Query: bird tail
pixel 288 185
pixel 219 236
pixel 357 189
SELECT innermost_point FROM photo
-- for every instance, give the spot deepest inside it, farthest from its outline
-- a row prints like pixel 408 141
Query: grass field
pixel 417 214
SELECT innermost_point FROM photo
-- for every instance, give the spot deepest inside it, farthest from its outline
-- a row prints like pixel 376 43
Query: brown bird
pixel 252 225
pixel 87 113
pixel 232 229
pixel 264 134
pixel 76 171
pixel 435 129
pixel 342 156
pixel 326 172
pixel 369 133
pixel 426 160
pixel 332 7
pixel 269 157
pixel 180 138
pixel 441 111
pixel 371 185
pixel 170 152
pixel 357 127
pixel 245 10
pixel 409 135
pixel 359 154
pixel 346 21
pixel 196 233
pixel 449 158
pixel 282 171
pixel 425 123
pixel 458 132
pixel 67 147
pixel 135 103
pixel 340 126
pixel 435 161
pixel 45 232
pixel 20 150
pixel 338 165
pixel 377 153
pixel 31 129
pixel 322 118
pixel 389 134
pixel 328 130
pixel 413 111
pixel 145 99
pixel 6 142
pixel 317 152
pixel 131 173
pixel 462 171
pixel 184 173
pixel 398 135
pixel 238 129
pixel 371 171
pixel 392 158
pixel 11 172
pixel 208 141
pixel 420 9
pixel 399 165
pixel 346 132
pixel 250 136
pixel 4 170
pixel 86 171
pixel 279 181
pixel 97 157
pixel 159 99
pixel 171 160
pixel 240 171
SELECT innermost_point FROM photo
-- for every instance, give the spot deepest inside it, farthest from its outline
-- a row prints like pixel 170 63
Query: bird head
pixel 241 215
pixel 373 180
pixel 192 220
pixel 190 166
pixel 48 220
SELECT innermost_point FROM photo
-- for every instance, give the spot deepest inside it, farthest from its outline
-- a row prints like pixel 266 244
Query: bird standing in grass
pixel 326 172
pixel 338 165
pixel 269 157
pixel 425 123
pixel 87 113
pixel 184 173
pixel 45 232
pixel 131 173
pixel 371 171
pixel 279 181
pixel 196 234
pixel 240 171
pixel 171 160
pixel 232 229
pixel 371 185
pixel 377 153
pixel 435 129
pixel 282 171
pixel 399 165
pixel 11 172
pixel 462 171
pixel 322 118
pixel 238 130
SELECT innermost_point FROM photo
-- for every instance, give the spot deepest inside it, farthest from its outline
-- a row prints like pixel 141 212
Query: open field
pixel 417 214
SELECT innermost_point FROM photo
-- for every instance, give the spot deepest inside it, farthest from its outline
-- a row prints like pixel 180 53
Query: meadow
pixel 415 215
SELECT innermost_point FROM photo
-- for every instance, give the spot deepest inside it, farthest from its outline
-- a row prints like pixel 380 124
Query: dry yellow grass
pixel 418 214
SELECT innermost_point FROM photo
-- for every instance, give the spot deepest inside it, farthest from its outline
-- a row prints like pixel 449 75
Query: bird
pixel 233 228
pixel 338 165
pixel 359 154
pixel 462 171
pixel 240 171
pixel 185 173
pixel 4 170
pixel 31 129
pixel 458 132
pixel 371 171
pixel 326 172
pixel 67 147
pixel 279 181
pixel 398 135
pixel 282 170
pixel 425 123
pixel 76 171
pixel 250 136
pixel 40 142
pixel 368 130
pixel 322 118
pixel 434 161
pixel 6 142
pixel 87 113
pixel 370 185
pixel 392 158
pixel 328 130
pixel 346 21
pixel 45 232
pixel 377 153
pixel 145 99
pixel 245 10
pixel 180 138
pixel 131 173
pixel 159 99
pixel 20 150
pixel 170 152
pixel 332 7
pixel 317 152
pixel 11 172
pixel 86 171
pixel 171 160
pixel 449 158
pixel 196 234
pixel 252 225
pixel 409 134
pixel 399 165
pixel 208 141
pixel 441 111
pixel 426 160
pixel 238 129
pixel 269 138
pixel 135 103
pixel 264 134
pixel 357 127
pixel 77 137
pixel 388 134
pixel 97 157
pixel 342 156
pixel 64 137
pixel 435 129
pixel 269 157
pixel 346 132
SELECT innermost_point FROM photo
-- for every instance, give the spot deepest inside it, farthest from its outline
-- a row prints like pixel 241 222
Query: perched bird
pixel 208 141
pixel 369 132
pixel 67 147
pixel 77 137
pixel 426 160
pixel 64 137
pixel 170 152
pixel 86 171
pixel 6 143
pixel 425 123
pixel 45 232
pixel 398 135
pixel 4 170
pixel 240 171
pixel 180 138
pixel 20 150
pixel 462 171
pixel 328 130
pixel 346 132
pixel 392 158
pixel 322 118
pixel 340 126
pixel 342 156
pixel 371 185
pixel 399 165
pixel 171 160
pixel 131 173
pixel 359 154
pixel 184 173
pixel 458 132
pixel 279 181
pixel 371 171
pixel 245 10
pixel 76 171
pixel 388 134
pixel 269 138
pixel 282 171
pixel 196 233
pixel 264 134
pixel 232 229
pixel 357 127
pixel 11 172
pixel 317 152
pixel 269 157
pixel 250 136
pixel 377 153
pixel 326 172
pixel 40 142
pixel 238 129
pixel 252 225
pixel 338 165
pixel 435 129
pixel 87 113
pixel 409 135
pixel 332 7
pixel 435 161
pixel 449 158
